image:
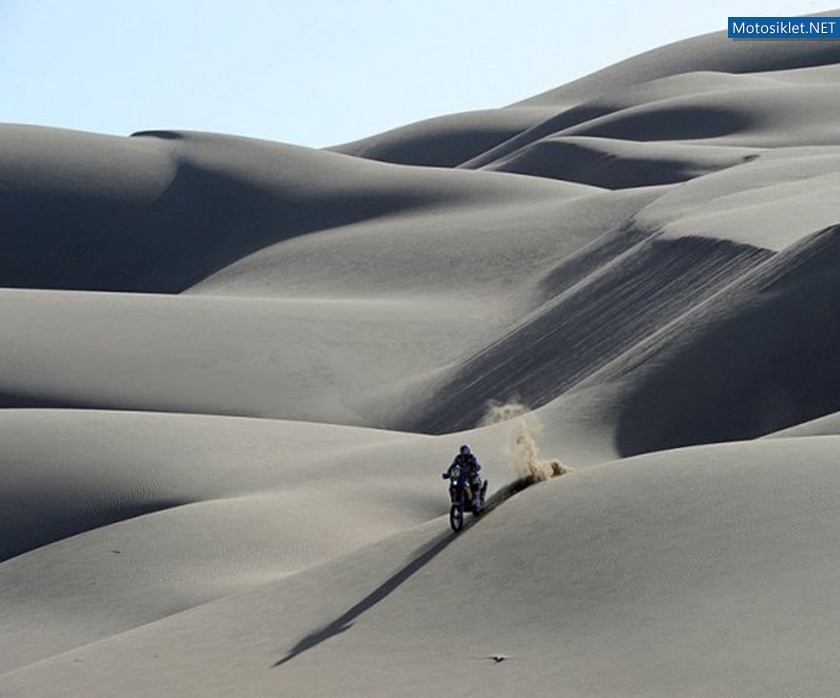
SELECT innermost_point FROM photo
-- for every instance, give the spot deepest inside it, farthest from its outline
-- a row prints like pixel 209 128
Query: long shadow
pixel 345 620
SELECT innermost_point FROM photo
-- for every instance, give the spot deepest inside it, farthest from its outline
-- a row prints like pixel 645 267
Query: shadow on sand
pixel 437 546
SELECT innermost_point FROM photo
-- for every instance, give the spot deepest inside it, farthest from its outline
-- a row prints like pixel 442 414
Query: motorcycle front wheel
pixel 456 518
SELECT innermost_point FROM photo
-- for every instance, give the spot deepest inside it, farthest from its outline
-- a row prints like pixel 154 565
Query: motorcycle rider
pixel 464 471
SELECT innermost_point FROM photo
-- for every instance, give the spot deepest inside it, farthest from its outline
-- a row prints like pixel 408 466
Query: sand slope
pixel 232 372
pixel 706 572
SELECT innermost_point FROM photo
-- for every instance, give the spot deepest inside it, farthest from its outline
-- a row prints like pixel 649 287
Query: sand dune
pixel 616 164
pixel 446 141
pixel 233 370
pixel 709 52
pixel 162 210
pixel 703 571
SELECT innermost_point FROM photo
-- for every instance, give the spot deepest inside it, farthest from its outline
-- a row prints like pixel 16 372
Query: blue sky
pixel 318 72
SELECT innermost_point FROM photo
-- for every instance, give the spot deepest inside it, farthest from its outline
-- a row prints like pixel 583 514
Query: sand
pixel 233 370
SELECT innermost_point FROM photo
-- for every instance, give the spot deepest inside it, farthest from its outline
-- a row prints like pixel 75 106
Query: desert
pixel 233 370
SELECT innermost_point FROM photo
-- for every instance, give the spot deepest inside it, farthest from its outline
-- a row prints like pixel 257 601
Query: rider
pixel 467 467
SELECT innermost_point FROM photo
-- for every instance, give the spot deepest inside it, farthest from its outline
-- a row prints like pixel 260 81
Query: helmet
pixel 465 450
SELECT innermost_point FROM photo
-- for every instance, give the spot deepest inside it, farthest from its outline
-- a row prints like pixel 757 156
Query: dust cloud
pixel 520 447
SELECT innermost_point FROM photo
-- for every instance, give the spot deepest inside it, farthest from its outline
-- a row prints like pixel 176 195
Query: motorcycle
pixel 462 499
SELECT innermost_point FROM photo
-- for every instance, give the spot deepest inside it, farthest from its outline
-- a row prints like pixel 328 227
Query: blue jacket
pixel 465 468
